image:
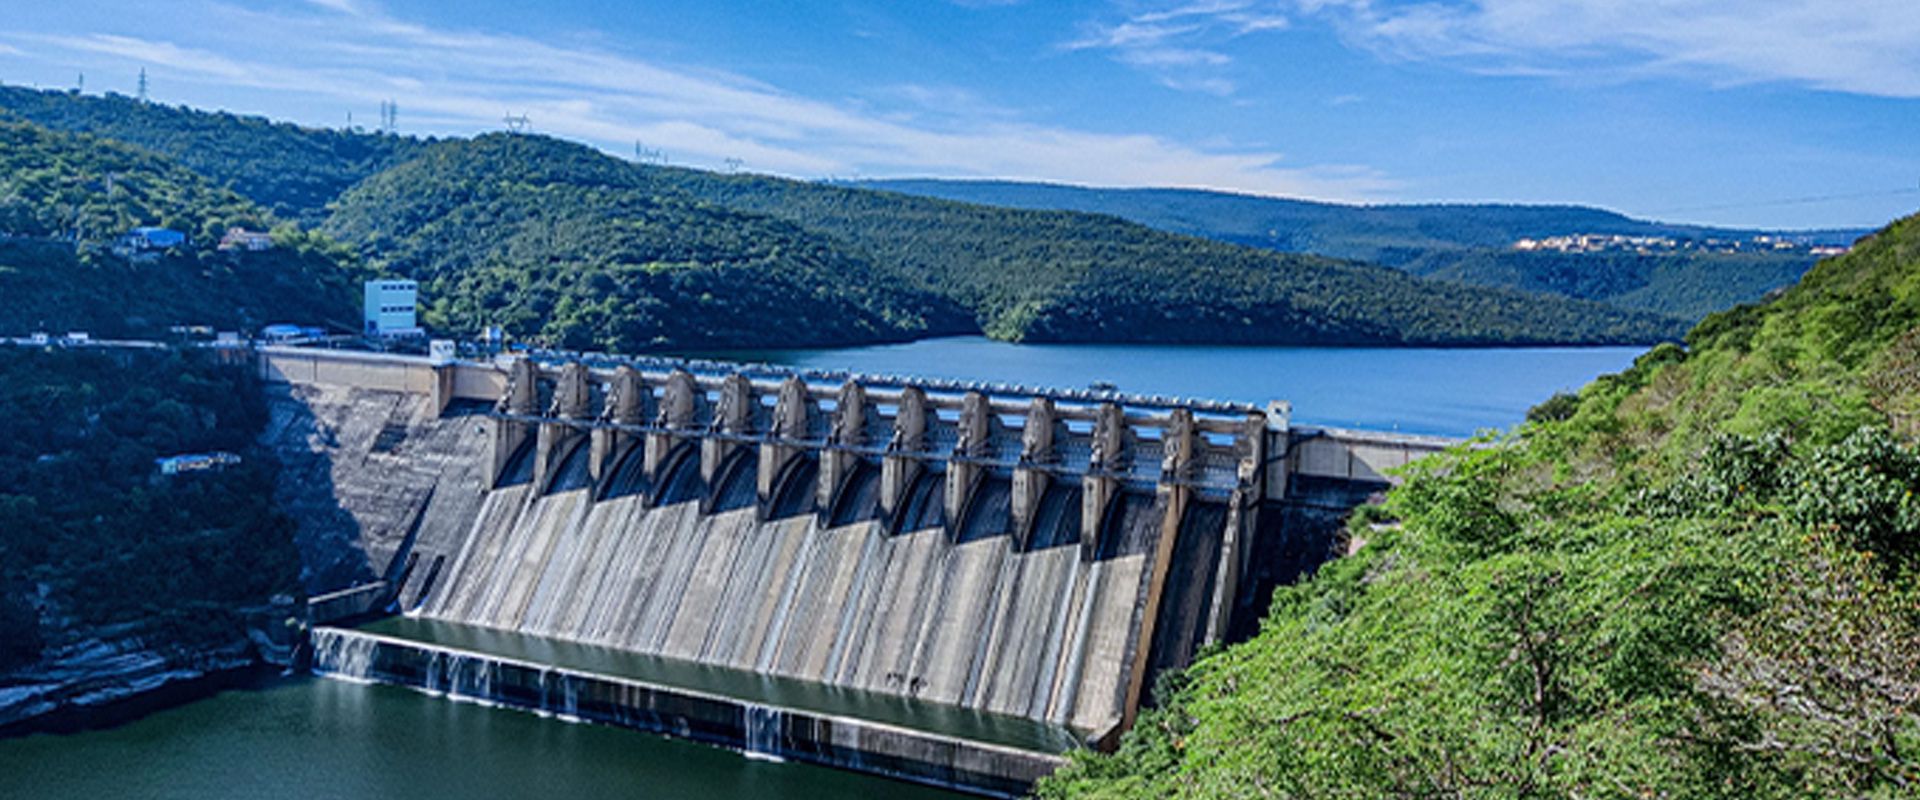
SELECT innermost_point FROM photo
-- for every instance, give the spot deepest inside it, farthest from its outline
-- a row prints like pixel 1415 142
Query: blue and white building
pixel 389 309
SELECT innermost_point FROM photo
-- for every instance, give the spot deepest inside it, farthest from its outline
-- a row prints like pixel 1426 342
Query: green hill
pixel 1467 243
pixel 65 197
pixel 588 249
pixel 1698 578
pixel 1060 276
pixel 290 170
pixel 562 243
pixel 577 248
pixel 1689 285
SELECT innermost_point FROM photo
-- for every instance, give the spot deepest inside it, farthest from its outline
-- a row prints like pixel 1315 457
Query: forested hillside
pixel 91 536
pixel 565 244
pixel 1698 578
pixel 64 198
pixel 1458 242
pixel 586 249
pixel 1689 285
pixel 290 170
pixel 1057 276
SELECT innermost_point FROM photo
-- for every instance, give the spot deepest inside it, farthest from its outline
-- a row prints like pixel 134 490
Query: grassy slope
pixel 1698 581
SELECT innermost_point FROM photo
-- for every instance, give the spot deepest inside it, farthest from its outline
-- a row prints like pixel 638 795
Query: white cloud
pixel 1859 46
pixel 1180 45
pixel 350 53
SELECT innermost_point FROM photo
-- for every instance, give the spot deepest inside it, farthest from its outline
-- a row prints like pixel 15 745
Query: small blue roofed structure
pixel 154 238
pixel 282 333
pixel 195 462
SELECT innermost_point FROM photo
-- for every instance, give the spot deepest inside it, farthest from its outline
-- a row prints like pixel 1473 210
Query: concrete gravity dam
pixel 941 582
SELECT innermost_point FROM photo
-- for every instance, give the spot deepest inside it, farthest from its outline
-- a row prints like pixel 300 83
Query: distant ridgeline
pixel 570 246
pixel 1699 271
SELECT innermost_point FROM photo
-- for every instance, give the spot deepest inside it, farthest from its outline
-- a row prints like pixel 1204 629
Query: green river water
pixel 319 739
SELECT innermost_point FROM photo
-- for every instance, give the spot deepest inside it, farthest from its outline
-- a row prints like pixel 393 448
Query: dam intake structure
pixel 1010 553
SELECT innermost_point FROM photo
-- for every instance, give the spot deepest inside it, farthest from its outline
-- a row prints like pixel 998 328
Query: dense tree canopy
pixel 565 244
pixel 1698 578
pixel 1059 276
pixel 84 513
pixel 65 198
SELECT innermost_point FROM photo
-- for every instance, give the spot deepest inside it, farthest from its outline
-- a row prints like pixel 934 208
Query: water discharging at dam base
pixel 948 584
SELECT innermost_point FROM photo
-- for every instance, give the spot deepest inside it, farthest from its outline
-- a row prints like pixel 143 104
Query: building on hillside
pixel 243 239
pixel 194 462
pixel 145 244
pixel 389 310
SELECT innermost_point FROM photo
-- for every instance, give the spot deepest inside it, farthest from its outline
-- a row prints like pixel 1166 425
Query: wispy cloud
pixel 351 52
pixel 1859 46
pixel 1181 45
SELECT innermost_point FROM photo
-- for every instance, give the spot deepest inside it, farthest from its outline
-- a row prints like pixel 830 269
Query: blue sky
pixel 1779 113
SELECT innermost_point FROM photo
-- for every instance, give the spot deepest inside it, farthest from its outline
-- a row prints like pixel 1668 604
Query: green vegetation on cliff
pixel 84 514
pixel 64 198
pixel 1698 578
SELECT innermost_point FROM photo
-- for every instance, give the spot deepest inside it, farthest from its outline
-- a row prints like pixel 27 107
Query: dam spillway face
pixel 1013 553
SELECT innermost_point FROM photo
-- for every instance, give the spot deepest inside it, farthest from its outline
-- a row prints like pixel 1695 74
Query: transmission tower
pixel 519 124
pixel 389 116
pixel 735 165
pixel 81 84
pixel 142 93
pixel 648 155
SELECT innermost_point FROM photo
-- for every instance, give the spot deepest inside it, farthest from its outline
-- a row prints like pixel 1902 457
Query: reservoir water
pixel 316 738
pixel 1446 392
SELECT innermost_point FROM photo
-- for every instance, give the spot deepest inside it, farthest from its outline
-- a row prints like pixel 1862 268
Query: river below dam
pixel 321 739
pixel 1436 391
pixel 324 738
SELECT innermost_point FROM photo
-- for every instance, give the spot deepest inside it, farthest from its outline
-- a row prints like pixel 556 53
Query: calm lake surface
pixel 320 739
pixel 1447 392
pixel 315 738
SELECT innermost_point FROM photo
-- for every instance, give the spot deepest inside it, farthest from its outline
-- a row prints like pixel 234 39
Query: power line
pixel 1791 201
